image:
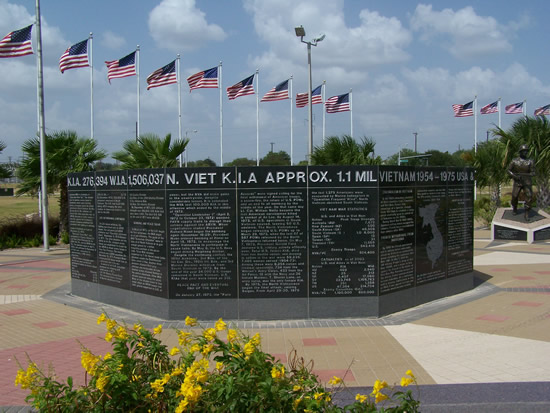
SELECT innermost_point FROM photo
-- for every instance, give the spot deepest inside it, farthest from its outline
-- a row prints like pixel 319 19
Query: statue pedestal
pixel 510 227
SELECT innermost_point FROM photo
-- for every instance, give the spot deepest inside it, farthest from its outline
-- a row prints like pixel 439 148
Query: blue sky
pixel 407 63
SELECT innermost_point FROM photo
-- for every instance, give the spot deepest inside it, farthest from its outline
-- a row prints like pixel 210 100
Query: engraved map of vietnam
pixel 434 247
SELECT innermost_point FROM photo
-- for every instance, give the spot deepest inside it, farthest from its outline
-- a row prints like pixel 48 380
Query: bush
pixel 484 210
pixel 215 369
pixel 20 233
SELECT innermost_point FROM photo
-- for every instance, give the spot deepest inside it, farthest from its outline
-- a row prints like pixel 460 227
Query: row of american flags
pixel 18 43
pixel 467 109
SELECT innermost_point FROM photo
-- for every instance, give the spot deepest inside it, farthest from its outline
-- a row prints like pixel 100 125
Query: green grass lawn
pixel 18 206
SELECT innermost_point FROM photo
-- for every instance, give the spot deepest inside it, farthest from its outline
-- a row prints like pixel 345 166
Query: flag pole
pixel 499 112
pixel 137 75
pixel 291 124
pixel 475 124
pixel 42 133
pixel 179 105
pixel 323 96
pixel 91 87
pixel 221 112
pixel 257 117
pixel 351 114
pixel 525 107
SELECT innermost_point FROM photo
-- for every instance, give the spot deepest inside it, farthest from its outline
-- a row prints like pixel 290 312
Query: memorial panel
pixel 83 234
pixel 541 234
pixel 506 233
pixel 431 226
pixel 397 228
pixel 112 228
pixel 147 227
pixel 343 209
pixel 272 232
pixel 460 221
pixel 202 232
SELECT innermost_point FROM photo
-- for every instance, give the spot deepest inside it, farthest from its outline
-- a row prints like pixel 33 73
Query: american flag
pixel 514 108
pixel 205 79
pixel 464 110
pixel 122 68
pixel 17 43
pixel 243 88
pixel 75 56
pixel 543 110
pixel 166 75
pixel 490 108
pixel 301 98
pixel 338 103
pixel 279 92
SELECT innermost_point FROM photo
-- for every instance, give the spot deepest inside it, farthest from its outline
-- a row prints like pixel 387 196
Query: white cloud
pixel 376 40
pixel 179 25
pixel 470 34
pixel 439 83
pixel 112 40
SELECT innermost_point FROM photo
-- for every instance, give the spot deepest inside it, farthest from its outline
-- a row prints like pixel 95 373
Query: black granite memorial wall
pixel 271 242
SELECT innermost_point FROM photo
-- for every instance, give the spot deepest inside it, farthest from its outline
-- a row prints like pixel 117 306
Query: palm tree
pixel 345 151
pixel 150 151
pixel 490 167
pixel 65 153
pixel 4 172
pixel 534 132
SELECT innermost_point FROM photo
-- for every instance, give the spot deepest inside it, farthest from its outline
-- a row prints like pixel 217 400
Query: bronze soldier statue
pixel 522 170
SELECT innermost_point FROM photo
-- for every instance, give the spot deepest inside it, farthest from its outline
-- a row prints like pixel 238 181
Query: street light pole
pixel 300 32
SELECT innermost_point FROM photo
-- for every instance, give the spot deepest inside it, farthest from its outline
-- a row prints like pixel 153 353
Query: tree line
pixel 67 152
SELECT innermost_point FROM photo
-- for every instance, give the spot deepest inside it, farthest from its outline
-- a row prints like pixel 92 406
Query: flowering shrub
pixel 215 369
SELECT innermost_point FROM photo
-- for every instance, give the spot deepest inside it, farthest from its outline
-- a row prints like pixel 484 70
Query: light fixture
pixel 300 31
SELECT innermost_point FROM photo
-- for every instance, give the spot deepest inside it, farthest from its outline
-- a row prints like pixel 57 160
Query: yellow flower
pixel 219 365
pixel 209 334
pixel 318 396
pixel 174 351
pixel 220 325
pixel 361 398
pixel 157 329
pixel 158 385
pixel 27 378
pixel 296 402
pixel 135 378
pixel 335 380
pixel 101 318
pixel 405 381
pixel 111 324
pixel 108 337
pixel 207 349
pixel 182 406
pixel 190 321
pixel 277 373
pixel 296 387
pixel 378 385
pixel 249 348
pixel 89 362
pixel 256 339
pixel 178 371
pixel 101 382
pixel 409 373
pixel 121 333
pixel 194 348
pixel 380 397
pixel 183 337
pixel 231 335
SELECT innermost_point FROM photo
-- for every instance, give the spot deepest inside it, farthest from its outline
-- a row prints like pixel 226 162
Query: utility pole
pixel 272 143
pixel 415 135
